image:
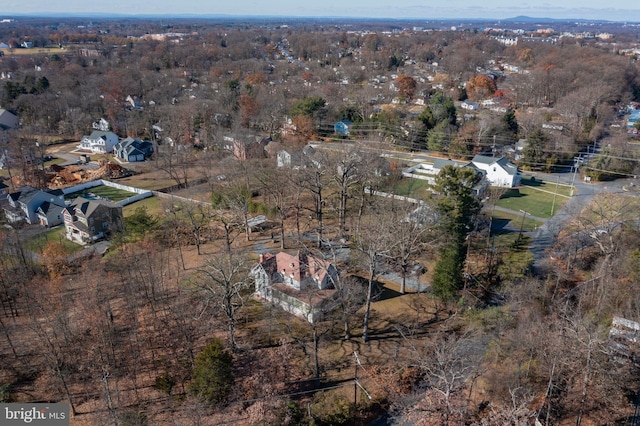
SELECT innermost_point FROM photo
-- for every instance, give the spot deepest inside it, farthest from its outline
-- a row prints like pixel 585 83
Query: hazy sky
pixel 620 10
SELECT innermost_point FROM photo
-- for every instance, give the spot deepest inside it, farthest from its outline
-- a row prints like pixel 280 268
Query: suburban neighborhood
pixel 320 222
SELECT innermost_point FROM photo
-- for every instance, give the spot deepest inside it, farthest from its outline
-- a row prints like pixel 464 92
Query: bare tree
pixel 225 283
pixel 410 224
pixel 372 246
pixel 198 216
pixel 315 180
pixel 447 363
pixel 346 176
pixel 275 185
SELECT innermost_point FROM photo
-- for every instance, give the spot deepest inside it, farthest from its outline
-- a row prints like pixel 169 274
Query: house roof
pixel 86 207
pixel 483 159
pixel 299 266
pixel 99 134
pixel 509 167
pixel 504 163
pixel 8 120
pixel 130 144
pixel 26 194
pixel 48 207
pixel 440 163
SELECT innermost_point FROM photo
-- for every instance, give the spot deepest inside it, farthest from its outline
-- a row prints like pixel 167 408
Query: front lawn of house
pixel 536 198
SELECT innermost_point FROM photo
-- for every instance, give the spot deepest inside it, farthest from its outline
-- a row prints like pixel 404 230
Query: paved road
pixel 545 236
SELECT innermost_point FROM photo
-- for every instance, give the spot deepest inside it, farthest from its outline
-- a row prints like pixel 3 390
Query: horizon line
pixel 191 15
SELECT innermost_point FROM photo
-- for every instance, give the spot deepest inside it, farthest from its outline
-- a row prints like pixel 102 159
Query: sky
pixel 615 10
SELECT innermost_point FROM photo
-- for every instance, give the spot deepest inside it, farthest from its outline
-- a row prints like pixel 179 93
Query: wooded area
pixel 439 317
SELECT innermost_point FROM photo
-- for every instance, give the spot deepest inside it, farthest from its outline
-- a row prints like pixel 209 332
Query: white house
pixel 470 106
pixel 99 141
pixel 499 171
pixel 101 124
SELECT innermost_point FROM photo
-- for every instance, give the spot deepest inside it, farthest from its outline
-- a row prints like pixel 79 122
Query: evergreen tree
pixel 458 204
pixel 212 374
pixel 510 123
pixel 533 152
pixel 447 274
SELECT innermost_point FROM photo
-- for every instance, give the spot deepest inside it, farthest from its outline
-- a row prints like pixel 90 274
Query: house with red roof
pixel 301 284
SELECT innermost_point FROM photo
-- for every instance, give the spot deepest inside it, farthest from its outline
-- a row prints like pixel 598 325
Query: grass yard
pixel 153 205
pixel 536 198
pixel 500 220
pixel 37 243
pixel 546 185
pixel 409 187
pixel 103 191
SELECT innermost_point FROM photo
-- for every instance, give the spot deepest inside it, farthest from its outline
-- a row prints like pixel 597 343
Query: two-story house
pixel 50 214
pixel 133 149
pixel 301 284
pixel 99 141
pixel 23 204
pixel 87 220
pixel 499 171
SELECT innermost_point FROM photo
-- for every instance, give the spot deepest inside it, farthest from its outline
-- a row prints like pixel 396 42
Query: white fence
pixel 141 194
pixel 395 197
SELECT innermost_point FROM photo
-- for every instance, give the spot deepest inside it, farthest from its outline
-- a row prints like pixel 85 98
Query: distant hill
pixel 531 20
pixel 528 19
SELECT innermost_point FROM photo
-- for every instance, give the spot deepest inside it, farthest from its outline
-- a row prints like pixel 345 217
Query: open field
pixel 152 181
pixel 35 51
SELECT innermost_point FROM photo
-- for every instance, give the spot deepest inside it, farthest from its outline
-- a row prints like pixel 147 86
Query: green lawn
pixel 546 185
pixel 37 243
pixel 409 187
pixel 108 192
pixel 500 219
pixel 153 205
pixel 535 198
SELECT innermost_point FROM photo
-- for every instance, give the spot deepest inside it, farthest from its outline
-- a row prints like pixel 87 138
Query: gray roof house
pixel 50 214
pixel 8 120
pixel 87 220
pixel 499 171
pixel 133 150
pixel 23 204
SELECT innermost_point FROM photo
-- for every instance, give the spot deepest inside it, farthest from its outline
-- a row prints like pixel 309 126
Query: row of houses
pixel 85 220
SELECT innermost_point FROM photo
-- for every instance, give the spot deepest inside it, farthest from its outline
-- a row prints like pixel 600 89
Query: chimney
pixel 261 258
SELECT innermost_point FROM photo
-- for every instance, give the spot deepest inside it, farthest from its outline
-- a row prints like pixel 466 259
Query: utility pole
pixel 524 214
pixel 553 204
pixel 573 179
pixel 356 383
